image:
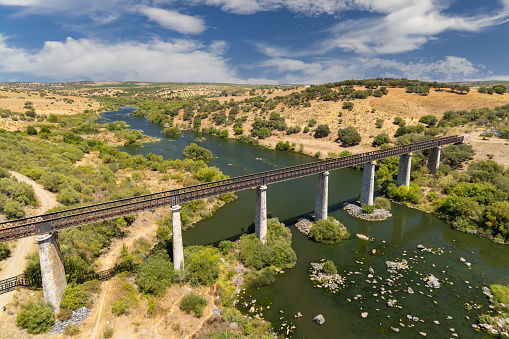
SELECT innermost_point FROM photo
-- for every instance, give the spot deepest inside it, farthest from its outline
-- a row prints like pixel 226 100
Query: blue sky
pixel 253 41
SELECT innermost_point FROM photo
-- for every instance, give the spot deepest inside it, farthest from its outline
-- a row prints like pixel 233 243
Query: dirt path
pixel 16 262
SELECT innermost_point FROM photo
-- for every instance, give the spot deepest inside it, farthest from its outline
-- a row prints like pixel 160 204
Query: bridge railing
pixel 10 284
pixel 108 210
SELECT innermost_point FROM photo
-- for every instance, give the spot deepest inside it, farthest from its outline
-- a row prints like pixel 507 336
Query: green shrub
pixel 382 203
pixel 74 297
pixel 120 307
pixel 195 152
pixel 171 132
pixel 500 293
pixel 5 251
pixel 36 316
pixel 329 267
pixel 64 314
pixel 369 209
pixel 72 330
pixel 108 332
pixel 202 265
pixel 31 130
pixel 155 274
pixel 256 279
pixel 485 319
pixel 225 246
pixel 380 139
pixel 349 135
pixel 328 232
pixel 193 303
pixel 322 131
pixel 13 210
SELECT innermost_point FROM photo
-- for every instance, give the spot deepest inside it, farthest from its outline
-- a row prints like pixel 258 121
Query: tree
pixel 429 119
pixel 380 139
pixel 31 130
pixel 454 155
pixel 155 274
pixel 171 132
pixel 499 89
pixel 482 90
pixel 13 210
pixel 348 105
pixel 195 152
pixel 322 131
pixel 349 135
pixel 37 317
pixel 328 231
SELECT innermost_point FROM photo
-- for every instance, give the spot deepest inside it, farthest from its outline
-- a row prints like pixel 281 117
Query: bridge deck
pixel 80 216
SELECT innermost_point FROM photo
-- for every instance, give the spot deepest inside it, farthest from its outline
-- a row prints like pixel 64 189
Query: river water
pixel 455 305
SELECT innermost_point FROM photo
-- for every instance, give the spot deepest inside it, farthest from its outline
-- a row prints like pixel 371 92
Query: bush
pixel 31 130
pixel 225 246
pixel 171 132
pixel 349 135
pixel 306 129
pixel 64 314
pixel 485 319
pixel 379 123
pixel 36 316
pixel 500 293
pixel 202 265
pixel 322 131
pixel 329 267
pixel 108 332
pixel 257 279
pixel 120 307
pixel 72 330
pixel 5 251
pixel 155 274
pixel 74 297
pixel 368 209
pixel 195 152
pixel 382 203
pixel 380 139
pixel 13 210
pixel 328 232
pixel 312 123
pixel 454 155
pixel 193 303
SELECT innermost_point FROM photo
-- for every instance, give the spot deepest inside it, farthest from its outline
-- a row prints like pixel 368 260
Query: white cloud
pixel 452 68
pixel 173 20
pixel 218 47
pixel 175 60
pixel 406 27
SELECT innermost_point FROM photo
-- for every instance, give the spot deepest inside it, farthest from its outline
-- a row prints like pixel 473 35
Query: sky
pixel 253 41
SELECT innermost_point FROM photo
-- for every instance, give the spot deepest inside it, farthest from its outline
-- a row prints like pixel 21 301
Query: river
pixel 459 298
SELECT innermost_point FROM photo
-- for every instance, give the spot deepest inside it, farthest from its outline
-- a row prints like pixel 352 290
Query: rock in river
pixel 319 319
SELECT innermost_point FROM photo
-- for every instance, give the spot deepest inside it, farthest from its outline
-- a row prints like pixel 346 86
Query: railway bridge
pixel 46 226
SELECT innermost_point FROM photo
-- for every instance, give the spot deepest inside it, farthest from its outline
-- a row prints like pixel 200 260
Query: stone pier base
pixel 368 183
pixel 434 159
pixel 52 268
pixel 405 165
pixel 178 250
pixel 261 213
pixel 322 192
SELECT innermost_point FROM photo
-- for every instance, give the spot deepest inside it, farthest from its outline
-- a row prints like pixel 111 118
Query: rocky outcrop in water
pixel 356 211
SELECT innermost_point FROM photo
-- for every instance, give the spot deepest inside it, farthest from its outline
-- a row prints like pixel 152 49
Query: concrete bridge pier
pixel 405 165
pixel 178 250
pixel 52 268
pixel 368 183
pixel 434 159
pixel 322 196
pixel 261 213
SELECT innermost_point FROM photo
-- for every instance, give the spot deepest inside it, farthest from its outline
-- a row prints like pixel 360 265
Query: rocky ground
pixel 356 211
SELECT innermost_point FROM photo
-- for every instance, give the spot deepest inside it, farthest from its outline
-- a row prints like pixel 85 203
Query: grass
pixel 500 293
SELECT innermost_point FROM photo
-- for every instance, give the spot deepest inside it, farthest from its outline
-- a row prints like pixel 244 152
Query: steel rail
pixel 80 216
